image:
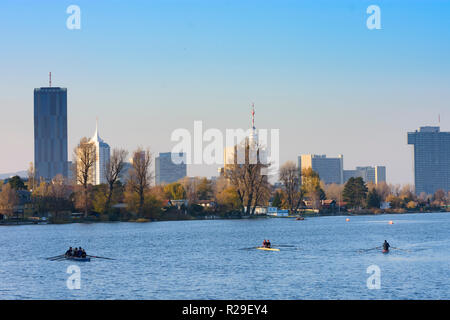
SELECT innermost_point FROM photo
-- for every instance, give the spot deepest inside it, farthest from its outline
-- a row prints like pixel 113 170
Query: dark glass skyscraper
pixel 431 159
pixel 50 132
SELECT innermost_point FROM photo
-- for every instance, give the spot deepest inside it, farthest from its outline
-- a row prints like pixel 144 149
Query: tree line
pixel 129 193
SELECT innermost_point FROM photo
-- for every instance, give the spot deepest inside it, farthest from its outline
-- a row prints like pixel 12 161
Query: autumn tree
pixel 175 191
pixel 8 200
pixel 311 187
pixel 84 162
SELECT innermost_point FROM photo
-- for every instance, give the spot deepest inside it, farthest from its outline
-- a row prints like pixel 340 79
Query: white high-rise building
pixel 102 154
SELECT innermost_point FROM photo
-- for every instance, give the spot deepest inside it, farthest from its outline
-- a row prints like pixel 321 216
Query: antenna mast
pixel 50 79
pixel 253 116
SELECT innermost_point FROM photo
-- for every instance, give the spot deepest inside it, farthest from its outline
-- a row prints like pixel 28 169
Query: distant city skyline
pixel 312 68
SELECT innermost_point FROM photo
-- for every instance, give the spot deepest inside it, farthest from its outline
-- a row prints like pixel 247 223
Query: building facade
pixel 431 159
pixel 167 170
pixel 50 132
pixel 330 170
pixel 375 174
pixel 102 155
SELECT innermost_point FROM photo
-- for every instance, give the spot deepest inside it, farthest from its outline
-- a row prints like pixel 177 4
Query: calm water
pixel 320 258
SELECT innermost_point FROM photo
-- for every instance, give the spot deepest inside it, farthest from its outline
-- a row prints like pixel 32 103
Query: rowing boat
pixel 267 249
pixel 78 259
pixel 385 251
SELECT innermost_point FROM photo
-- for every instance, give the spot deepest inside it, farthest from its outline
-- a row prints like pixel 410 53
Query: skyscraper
pixel 431 159
pixel 375 174
pixel 168 171
pixel 50 132
pixel 102 154
pixel 330 170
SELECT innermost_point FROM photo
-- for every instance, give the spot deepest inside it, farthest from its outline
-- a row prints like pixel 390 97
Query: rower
pixel 264 243
pixel 268 244
pixel 69 252
pixel 386 245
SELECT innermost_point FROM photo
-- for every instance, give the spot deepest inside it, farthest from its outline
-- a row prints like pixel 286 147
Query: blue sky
pixel 312 68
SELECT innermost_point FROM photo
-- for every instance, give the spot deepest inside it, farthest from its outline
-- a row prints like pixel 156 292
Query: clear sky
pixel 313 69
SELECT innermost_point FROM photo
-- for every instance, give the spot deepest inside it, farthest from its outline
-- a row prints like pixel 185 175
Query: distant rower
pixel 386 246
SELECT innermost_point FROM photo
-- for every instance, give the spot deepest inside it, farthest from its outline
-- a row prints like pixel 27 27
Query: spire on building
pixel 96 137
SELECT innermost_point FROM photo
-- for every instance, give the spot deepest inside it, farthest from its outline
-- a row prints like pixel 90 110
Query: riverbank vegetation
pixel 241 191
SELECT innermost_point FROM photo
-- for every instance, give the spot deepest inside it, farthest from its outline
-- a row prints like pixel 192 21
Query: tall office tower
pixel 50 132
pixel 431 159
pixel 168 171
pixel 330 170
pixel 102 154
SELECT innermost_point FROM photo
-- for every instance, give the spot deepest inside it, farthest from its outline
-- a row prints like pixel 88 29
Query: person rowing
pixel 69 252
pixel 386 246
pixel 266 243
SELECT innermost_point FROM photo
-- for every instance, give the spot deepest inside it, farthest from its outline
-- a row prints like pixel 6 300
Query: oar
pixel 58 258
pixel 61 255
pixel 365 250
pixel 400 249
pixel 100 257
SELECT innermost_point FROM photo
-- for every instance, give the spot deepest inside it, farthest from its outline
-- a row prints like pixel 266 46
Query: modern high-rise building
pixel 431 159
pixel 380 174
pixel 375 174
pixel 50 132
pixel 330 170
pixel 168 171
pixel 102 154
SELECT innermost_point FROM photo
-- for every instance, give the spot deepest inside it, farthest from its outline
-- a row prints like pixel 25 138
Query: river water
pixel 319 258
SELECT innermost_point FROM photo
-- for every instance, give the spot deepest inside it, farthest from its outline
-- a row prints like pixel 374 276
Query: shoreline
pixel 193 218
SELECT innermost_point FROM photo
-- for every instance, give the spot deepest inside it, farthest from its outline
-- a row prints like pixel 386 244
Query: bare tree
pixel 84 156
pixel 31 177
pixel 113 172
pixel 247 178
pixel 190 186
pixel 290 177
pixel 59 192
pixel 140 175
